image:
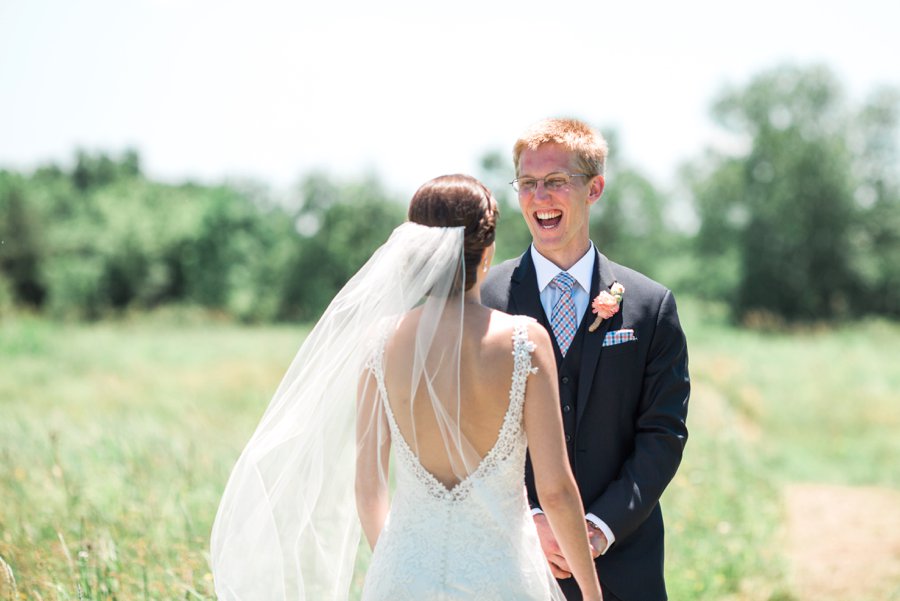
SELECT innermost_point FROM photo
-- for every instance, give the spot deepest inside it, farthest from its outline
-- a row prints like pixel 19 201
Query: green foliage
pixel 20 247
pixel 876 237
pixel 232 256
pixel 138 244
pixel 341 224
pixel 629 225
pixel 102 239
pixel 512 236
pixel 802 222
pixel 7 300
pixel 98 170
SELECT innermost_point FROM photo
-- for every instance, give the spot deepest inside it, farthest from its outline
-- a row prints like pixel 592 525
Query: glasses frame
pixel 543 180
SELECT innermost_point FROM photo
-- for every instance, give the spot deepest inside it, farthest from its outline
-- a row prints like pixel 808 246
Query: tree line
pixel 798 220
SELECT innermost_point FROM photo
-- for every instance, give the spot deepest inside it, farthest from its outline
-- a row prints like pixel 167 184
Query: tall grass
pixel 770 408
pixel 116 440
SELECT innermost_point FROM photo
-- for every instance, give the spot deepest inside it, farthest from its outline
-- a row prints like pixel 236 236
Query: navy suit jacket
pixel 631 414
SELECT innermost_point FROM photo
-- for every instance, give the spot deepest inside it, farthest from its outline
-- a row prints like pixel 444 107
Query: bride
pixel 406 358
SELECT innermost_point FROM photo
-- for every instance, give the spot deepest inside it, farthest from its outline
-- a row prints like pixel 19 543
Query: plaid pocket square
pixel 618 337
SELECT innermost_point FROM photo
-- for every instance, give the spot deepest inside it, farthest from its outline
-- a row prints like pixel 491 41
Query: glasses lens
pixel 526 184
pixel 556 182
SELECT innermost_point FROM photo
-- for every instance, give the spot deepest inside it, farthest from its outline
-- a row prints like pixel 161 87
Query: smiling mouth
pixel 548 219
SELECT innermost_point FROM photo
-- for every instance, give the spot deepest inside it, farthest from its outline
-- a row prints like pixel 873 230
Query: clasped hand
pixel 558 564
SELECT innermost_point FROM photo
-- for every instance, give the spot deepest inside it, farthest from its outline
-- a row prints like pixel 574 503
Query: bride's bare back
pixel 486 366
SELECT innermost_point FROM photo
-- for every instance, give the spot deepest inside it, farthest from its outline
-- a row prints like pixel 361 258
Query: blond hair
pixel 585 142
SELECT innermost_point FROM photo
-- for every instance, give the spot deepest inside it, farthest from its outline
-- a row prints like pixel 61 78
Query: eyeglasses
pixel 552 183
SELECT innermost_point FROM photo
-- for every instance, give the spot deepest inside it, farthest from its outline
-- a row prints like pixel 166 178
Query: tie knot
pixel 563 281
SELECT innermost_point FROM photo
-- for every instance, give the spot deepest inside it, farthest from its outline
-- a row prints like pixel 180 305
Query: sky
pixel 270 90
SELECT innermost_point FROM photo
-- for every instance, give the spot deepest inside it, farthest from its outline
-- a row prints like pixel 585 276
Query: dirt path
pixel 843 542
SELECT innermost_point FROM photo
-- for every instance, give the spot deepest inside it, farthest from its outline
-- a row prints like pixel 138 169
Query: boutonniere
pixel 606 304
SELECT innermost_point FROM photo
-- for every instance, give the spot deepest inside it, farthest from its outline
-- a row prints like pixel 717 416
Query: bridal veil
pixel 287 526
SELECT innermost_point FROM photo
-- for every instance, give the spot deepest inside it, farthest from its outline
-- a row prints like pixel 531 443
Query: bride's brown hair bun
pixel 458 200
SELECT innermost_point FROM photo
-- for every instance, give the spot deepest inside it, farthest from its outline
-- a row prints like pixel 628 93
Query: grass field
pixel 117 438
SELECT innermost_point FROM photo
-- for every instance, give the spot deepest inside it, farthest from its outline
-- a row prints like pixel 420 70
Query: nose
pixel 540 190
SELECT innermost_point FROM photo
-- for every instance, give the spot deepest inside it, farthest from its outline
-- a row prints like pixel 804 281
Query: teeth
pixel 548 214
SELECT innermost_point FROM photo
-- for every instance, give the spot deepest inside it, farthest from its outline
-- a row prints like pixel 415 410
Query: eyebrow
pixel 546 176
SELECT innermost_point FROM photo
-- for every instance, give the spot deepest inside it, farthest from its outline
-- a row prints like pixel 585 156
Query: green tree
pixel 101 238
pixel 781 218
pixel 20 243
pixel 512 236
pixel 629 223
pixel 340 225
pixel 876 237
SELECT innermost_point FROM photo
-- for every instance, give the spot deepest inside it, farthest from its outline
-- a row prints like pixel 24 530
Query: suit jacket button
pixel 568 438
pixel 567 408
pixel 565 379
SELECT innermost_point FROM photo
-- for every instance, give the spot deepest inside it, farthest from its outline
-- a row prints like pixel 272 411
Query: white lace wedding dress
pixel 476 541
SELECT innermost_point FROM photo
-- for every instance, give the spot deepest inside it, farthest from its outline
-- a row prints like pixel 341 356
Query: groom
pixel 624 386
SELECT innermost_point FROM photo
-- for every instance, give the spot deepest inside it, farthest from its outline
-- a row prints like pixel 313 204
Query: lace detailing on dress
pixel 476 541
pixel 510 429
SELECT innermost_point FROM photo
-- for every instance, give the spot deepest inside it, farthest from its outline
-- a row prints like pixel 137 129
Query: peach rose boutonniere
pixel 606 304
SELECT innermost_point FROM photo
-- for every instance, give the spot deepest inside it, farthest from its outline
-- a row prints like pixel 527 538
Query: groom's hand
pixel 598 540
pixel 558 564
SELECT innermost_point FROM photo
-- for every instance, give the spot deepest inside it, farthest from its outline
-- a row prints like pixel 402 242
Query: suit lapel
pixel 524 297
pixel 602 279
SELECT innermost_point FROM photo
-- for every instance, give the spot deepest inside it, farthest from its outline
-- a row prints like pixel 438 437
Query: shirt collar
pixel 581 270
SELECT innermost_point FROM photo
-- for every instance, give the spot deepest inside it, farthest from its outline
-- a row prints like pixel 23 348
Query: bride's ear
pixel 487 256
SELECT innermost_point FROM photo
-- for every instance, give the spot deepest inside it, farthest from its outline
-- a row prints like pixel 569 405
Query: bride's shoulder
pixel 504 326
pixel 401 329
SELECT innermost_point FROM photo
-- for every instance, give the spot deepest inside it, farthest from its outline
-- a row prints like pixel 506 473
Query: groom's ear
pixel 596 188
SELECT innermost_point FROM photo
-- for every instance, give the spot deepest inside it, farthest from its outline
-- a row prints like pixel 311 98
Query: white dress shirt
pixel 582 271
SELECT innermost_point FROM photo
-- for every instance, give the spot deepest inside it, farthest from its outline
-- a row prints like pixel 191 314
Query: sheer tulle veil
pixel 287 526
